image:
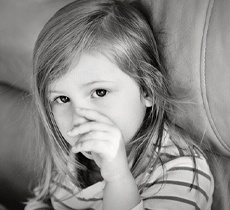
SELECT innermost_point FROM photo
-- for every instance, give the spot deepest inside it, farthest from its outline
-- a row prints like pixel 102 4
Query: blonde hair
pixel 120 31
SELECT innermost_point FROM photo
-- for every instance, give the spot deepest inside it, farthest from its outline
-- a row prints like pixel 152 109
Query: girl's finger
pixel 92 146
pixel 88 127
pixel 98 142
pixel 93 115
pixel 98 136
pixel 88 155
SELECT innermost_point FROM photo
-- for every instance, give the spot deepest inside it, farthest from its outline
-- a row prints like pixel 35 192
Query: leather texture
pixel 197 50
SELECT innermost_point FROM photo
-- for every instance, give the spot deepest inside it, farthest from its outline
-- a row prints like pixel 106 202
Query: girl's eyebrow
pixel 83 85
pixel 95 82
pixel 54 91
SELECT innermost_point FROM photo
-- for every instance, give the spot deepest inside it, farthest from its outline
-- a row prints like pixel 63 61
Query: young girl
pixel 103 97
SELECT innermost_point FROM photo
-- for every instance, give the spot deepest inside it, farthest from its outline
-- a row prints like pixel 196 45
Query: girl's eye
pixel 62 99
pixel 99 93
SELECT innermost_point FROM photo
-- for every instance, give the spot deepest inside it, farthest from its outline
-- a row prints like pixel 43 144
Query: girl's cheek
pixel 63 121
pixel 64 128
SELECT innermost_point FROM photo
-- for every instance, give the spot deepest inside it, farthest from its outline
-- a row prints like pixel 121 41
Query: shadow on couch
pixel 17 142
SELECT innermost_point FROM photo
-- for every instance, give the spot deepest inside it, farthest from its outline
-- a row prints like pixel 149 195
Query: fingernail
pixel 69 133
pixel 74 150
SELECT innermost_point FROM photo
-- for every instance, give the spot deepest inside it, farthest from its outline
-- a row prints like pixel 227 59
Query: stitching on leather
pixel 203 78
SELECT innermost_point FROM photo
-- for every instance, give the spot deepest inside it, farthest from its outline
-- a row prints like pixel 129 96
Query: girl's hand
pixel 104 140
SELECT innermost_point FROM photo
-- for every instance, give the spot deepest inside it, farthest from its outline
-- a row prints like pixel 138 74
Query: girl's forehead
pixel 94 65
pixel 92 68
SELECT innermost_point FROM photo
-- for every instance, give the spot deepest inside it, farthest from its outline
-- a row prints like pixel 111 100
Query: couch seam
pixel 203 75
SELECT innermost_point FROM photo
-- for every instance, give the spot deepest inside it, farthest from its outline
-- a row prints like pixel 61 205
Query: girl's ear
pixel 148 101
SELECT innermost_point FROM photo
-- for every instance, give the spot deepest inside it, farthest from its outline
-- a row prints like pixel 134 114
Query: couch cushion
pixel 18 163
pixel 20 24
pixel 197 49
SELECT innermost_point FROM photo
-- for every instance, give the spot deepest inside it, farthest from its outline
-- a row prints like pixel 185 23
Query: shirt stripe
pixel 191 169
pixel 69 208
pixel 63 187
pixel 89 199
pixel 185 184
pixel 61 203
pixel 174 198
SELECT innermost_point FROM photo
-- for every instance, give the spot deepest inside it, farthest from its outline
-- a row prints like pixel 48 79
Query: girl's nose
pixel 78 120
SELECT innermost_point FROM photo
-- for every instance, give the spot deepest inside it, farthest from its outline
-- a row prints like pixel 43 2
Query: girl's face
pixel 97 84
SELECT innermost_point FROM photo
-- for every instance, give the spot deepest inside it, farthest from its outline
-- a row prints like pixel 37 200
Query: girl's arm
pixel 121 193
pixel 105 142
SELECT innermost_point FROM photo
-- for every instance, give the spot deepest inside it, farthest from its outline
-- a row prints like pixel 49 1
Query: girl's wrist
pixel 119 177
pixel 121 192
pixel 117 172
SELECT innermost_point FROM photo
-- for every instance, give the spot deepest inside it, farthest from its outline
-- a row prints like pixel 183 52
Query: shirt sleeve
pixel 179 184
pixel 140 206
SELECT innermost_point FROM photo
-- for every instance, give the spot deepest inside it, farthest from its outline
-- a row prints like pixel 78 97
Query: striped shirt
pixel 172 186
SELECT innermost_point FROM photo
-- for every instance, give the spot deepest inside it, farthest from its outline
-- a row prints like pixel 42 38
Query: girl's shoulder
pixel 182 177
pixel 182 158
pixel 176 143
pixel 180 183
pixel 185 163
